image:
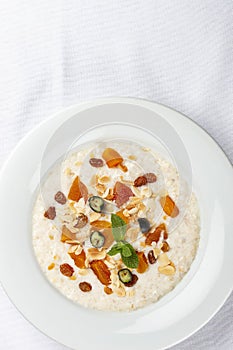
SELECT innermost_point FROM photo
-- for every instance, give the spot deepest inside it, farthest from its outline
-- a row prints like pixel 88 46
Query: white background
pixel 57 53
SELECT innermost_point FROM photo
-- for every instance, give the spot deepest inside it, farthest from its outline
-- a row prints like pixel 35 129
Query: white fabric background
pixel 57 53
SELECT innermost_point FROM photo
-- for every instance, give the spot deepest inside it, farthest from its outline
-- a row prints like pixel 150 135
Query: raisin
pixel 140 181
pixel 81 221
pixel 132 282
pixel 96 162
pixel 151 177
pixel 151 257
pixel 50 213
pixel 165 247
pixel 66 270
pixel 85 287
pixel 60 197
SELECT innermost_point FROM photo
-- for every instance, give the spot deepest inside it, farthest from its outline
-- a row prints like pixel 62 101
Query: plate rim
pixel 110 100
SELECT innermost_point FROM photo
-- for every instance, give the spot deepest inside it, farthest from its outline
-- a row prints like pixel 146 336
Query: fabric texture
pixel 58 53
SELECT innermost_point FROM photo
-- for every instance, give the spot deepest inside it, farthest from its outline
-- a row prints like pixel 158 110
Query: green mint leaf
pixel 126 251
pixel 132 260
pixel 118 227
pixel 116 248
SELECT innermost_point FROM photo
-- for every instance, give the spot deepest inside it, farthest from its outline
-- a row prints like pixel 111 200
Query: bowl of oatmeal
pixel 107 231
pixel 116 226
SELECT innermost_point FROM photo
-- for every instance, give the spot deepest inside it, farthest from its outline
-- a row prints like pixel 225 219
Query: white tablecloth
pixel 57 53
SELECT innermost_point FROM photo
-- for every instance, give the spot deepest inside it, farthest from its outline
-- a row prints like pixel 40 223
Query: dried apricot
pixel 155 235
pixel 79 259
pixel 112 157
pixel 78 190
pixel 143 263
pixel 169 206
pixel 67 235
pixel 122 216
pixel 101 270
pixel 109 239
pixel 100 224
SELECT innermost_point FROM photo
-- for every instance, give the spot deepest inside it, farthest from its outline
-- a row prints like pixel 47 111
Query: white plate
pixel 176 316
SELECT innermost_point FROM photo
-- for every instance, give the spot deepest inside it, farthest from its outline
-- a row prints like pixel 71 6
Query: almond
pixel 163 260
pixel 167 270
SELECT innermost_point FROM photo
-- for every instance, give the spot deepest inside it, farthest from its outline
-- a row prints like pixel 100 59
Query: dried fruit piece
pixel 165 247
pixel 79 259
pixel 143 263
pixel 66 270
pixel 50 213
pixel 96 204
pixel 78 190
pixel 101 270
pixel 123 167
pixel 96 162
pixel 110 196
pixel 97 239
pixel 109 239
pixel 144 225
pixel 60 197
pixel 151 177
pixel 125 275
pixel 122 193
pixel 85 287
pixel 169 206
pixel 112 157
pixel 155 235
pixel 108 290
pixel 122 216
pixel 133 282
pixel 67 235
pixel 81 221
pixel 151 257
pixel 100 224
pixel 51 266
pixel 140 181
